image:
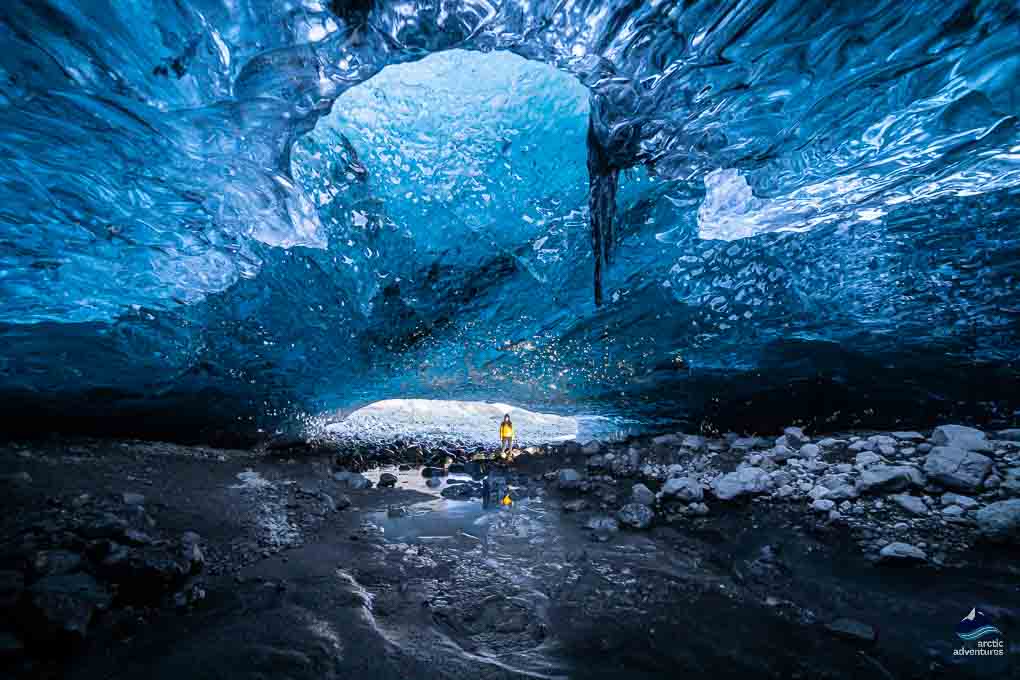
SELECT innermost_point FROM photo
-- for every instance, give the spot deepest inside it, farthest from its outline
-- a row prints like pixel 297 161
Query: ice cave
pixel 705 296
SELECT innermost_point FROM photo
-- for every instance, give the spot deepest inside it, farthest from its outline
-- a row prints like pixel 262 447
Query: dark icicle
pixel 603 180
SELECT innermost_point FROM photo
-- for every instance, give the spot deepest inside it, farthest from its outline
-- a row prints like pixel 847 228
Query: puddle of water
pixel 444 519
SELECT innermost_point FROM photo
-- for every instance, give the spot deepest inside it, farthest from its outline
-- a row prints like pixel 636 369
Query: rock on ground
pixel 902 552
pixel 568 478
pixel 888 478
pixel 1000 522
pixel 641 494
pixel 684 489
pixel 961 437
pixel 852 629
pixel 745 481
pixel 636 515
pixel 911 504
pixel 957 469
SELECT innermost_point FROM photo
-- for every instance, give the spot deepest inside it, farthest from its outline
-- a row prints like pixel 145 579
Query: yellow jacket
pixel 506 430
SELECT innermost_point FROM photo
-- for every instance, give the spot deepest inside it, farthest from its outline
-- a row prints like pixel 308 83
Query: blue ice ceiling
pixel 220 216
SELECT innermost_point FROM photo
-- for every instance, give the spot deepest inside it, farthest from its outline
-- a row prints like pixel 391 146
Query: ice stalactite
pixel 603 182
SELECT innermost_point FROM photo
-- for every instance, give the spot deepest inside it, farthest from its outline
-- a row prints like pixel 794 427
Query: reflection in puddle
pixel 453 519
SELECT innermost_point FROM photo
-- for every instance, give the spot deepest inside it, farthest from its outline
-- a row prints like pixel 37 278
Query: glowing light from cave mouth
pixel 468 421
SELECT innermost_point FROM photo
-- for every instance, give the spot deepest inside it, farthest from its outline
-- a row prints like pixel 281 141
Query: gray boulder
pixel 965 502
pixel 957 469
pixel 636 515
pixel 641 494
pixel 684 489
pixel 795 437
pixel 822 505
pixel 359 481
pixel 961 437
pixel 1011 484
pixel 745 481
pixel 133 498
pixel 809 451
pixel 602 523
pixel 61 607
pixel 568 478
pixel 852 629
pixel 902 552
pixel 888 478
pixel 866 458
pixel 911 504
pixel 1000 522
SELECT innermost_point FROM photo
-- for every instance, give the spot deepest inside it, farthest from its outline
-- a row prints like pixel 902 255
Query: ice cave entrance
pixel 474 422
pixel 450 161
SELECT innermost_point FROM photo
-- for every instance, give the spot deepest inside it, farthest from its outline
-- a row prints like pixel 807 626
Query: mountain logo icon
pixel 975 626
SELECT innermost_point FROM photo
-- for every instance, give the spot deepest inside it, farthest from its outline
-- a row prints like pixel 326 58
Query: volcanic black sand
pixel 294 574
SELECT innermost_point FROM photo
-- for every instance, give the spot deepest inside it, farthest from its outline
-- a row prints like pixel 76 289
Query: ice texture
pixel 241 214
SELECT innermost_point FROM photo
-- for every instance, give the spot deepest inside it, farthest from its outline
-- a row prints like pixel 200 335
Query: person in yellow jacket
pixel 506 434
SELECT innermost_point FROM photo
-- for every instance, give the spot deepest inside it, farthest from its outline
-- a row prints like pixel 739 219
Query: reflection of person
pixel 506 434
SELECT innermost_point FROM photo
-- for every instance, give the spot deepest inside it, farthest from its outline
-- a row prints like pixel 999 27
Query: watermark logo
pixel 975 626
pixel 984 637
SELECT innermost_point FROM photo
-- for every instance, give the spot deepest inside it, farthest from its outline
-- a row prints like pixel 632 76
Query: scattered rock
pixel 911 504
pixel 51 562
pixel 965 502
pixel 642 495
pixel 575 505
pixel 866 458
pixel 683 489
pixel 888 478
pixel 795 437
pixel 698 508
pixel 636 515
pixel 960 437
pixel 133 499
pixel 359 481
pixel 745 481
pixel 144 575
pixel 602 523
pixel 908 436
pixel 191 551
pixel 568 479
pixel 902 552
pixel 387 479
pixel 822 505
pixel 433 482
pixel 1000 522
pixel 62 606
pixel 852 629
pixel 462 490
pixel 1011 435
pixel 957 469
pixel 809 451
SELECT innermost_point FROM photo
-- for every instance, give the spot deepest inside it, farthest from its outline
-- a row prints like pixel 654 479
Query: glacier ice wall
pixel 220 215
